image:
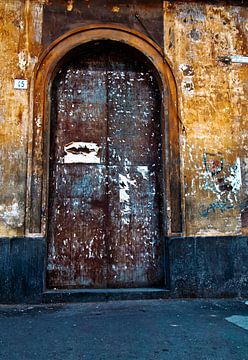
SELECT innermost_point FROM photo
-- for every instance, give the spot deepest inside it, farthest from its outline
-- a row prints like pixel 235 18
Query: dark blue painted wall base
pixel 21 270
pixel 208 266
pixel 198 267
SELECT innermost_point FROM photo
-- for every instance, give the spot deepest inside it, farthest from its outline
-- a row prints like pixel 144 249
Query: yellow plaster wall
pixel 20 39
pixel 213 112
pixel 212 108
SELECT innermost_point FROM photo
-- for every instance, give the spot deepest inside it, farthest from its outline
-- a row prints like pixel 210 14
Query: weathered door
pixel 106 192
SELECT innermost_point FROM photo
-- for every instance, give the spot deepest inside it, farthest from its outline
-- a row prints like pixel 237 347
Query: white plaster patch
pixel 233 179
pixel 235 176
pixel 22 60
pixel 21 25
pixel 182 67
pixel 11 214
pixel 239 320
pixel 246 302
pixel 186 69
pixel 81 152
pixel 188 86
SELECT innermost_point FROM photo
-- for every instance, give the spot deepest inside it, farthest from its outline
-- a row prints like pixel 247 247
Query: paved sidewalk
pixel 126 330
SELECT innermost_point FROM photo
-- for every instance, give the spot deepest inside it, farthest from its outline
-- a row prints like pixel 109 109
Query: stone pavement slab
pixel 126 330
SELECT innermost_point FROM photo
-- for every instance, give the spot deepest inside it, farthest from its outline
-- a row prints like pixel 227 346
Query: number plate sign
pixel 20 84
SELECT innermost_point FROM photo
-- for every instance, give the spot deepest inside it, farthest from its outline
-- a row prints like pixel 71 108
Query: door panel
pixel 135 152
pixel 136 253
pixel 134 124
pixel 77 201
pixel 106 193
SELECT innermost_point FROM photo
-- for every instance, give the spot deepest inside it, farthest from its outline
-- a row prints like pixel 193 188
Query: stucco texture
pixel 212 101
pixel 213 112
pixel 20 33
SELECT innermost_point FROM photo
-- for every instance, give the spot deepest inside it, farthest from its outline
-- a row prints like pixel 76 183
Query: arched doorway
pixel 106 190
pixel 37 215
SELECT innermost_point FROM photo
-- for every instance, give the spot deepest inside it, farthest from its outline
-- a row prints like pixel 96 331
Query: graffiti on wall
pixel 223 180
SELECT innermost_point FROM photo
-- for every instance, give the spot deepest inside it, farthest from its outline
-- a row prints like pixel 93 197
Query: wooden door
pixel 106 188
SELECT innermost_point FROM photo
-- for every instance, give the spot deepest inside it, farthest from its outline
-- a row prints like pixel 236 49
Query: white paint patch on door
pixel 81 152
pixel 239 320
pixel 124 183
pixel 124 194
pixel 143 170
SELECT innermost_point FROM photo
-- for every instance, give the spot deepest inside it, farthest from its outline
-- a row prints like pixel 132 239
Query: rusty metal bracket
pixel 225 59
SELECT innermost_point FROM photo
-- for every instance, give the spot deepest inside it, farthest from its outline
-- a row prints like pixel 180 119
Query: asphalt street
pixel 126 330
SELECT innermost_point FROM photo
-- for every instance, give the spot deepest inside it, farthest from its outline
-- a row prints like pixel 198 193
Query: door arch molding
pixel 46 69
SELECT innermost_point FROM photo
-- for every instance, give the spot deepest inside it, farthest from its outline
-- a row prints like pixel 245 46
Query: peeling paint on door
pixel 81 152
pixel 106 196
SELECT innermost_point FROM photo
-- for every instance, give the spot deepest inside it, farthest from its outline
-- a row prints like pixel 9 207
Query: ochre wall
pixel 212 109
pixel 20 38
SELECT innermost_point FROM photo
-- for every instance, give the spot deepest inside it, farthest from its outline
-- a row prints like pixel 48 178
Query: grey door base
pixel 96 295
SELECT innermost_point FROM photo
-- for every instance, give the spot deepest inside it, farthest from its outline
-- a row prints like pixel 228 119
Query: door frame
pixel 36 223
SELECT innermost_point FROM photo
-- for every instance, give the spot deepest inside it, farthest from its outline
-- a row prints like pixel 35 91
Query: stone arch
pixel 37 194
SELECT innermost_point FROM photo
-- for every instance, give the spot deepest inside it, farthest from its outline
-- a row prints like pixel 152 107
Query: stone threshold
pixel 101 295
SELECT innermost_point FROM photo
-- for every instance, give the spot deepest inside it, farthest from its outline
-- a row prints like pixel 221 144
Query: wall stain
pixel 212 100
pixel 213 110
